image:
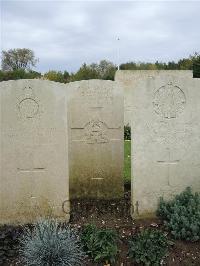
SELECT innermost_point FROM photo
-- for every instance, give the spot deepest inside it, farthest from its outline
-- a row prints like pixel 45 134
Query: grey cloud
pixel 65 34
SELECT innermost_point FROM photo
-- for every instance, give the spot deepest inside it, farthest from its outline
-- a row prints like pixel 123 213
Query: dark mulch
pixel 9 243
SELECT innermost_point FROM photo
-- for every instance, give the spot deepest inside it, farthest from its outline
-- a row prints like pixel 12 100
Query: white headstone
pixel 165 127
pixel 96 139
pixel 33 151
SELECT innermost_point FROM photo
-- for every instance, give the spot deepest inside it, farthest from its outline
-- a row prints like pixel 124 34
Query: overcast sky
pixel 65 34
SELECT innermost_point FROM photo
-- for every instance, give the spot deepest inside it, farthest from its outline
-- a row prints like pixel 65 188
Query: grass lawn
pixel 127 161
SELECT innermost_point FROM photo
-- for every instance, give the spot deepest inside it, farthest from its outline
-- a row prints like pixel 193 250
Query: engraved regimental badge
pixel 28 104
pixel 169 101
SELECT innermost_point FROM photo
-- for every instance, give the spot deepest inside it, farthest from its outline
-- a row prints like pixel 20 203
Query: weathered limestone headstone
pixel 96 139
pixel 33 151
pixel 133 77
pixel 165 127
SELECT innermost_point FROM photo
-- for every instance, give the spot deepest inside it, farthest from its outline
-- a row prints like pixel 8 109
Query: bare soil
pixel 115 214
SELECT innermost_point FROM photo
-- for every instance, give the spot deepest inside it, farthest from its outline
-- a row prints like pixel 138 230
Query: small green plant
pixel 100 244
pixel 182 215
pixel 127 132
pixel 49 243
pixel 148 247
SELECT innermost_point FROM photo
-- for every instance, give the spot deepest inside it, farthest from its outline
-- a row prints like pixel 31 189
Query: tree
pixel 105 69
pixel 14 59
pixel 195 57
pixel 54 76
pixel 128 66
pixel 57 76
pixel 196 64
pixel 171 65
pixel 85 72
pixel 185 64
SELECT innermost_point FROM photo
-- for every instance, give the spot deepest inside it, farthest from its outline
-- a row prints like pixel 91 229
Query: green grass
pixel 127 161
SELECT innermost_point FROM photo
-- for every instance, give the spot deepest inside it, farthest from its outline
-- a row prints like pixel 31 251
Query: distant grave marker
pixel 96 139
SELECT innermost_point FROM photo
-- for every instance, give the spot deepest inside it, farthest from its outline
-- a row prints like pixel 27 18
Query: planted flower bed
pixel 106 235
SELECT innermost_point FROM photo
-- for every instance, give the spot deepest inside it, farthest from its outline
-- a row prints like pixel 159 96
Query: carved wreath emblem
pixel 96 132
pixel 169 101
pixel 28 104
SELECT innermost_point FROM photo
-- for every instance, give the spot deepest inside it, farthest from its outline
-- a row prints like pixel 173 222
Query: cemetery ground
pixel 113 214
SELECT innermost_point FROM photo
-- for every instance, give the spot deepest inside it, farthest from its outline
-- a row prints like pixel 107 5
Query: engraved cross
pixel 168 162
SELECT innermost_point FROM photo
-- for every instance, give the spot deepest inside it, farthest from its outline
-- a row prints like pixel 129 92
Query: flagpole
pixel 118 65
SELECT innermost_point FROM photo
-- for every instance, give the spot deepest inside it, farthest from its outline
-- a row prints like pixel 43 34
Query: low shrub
pixel 50 244
pixel 148 247
pixel 100 244
pixel 182 215
pixel 196 70
pixel 127 132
